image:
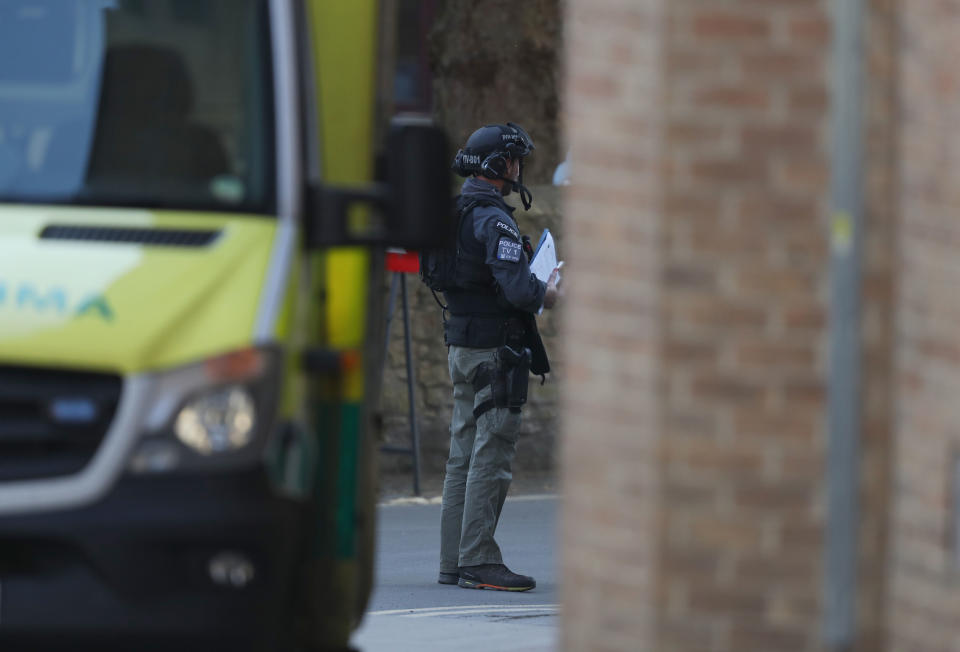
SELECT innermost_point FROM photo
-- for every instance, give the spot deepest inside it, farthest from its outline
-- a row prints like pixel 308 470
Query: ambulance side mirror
pixel 410 209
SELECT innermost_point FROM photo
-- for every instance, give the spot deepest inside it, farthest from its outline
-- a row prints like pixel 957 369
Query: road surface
pixel 409 611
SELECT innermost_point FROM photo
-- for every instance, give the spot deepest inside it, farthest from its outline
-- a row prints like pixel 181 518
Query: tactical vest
pixel 477 315
pixel 455 265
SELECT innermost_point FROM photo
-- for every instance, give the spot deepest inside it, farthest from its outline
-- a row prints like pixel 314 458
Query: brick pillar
pixel 877 309
pixel 612 321
pixel 924 604
pixel 745 304
pixel 696 325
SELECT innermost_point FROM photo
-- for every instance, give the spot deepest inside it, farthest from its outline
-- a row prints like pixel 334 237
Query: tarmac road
pixel 409 611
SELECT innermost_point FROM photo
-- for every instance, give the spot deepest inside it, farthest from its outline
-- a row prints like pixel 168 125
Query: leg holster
pixel 507 377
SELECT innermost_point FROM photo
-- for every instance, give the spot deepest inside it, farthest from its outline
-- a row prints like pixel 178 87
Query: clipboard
pixel 545 257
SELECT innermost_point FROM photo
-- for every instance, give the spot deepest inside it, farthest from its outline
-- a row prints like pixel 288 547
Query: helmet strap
pixel 525 195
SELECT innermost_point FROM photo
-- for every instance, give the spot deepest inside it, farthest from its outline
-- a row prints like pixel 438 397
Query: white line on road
pixel 527 497
pixel 426 612
pixel 414 500
pixel 485 612
pixel 436 500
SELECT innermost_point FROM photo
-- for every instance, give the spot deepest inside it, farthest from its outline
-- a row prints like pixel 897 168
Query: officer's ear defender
pixel 494 166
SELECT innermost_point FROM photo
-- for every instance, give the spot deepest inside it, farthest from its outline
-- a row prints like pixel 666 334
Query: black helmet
pixel 487 150
pixel 488 147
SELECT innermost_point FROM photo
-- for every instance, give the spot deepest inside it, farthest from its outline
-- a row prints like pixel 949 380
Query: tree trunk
pixel 499 61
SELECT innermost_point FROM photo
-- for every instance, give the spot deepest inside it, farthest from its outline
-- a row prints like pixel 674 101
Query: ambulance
pixel 191 247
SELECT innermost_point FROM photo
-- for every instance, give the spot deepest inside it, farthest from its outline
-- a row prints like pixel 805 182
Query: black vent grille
pixel 151 237
pixel 52 421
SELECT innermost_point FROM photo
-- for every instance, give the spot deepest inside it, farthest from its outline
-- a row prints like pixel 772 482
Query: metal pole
pixel 843 455
pixel 414 429
pixel 386 336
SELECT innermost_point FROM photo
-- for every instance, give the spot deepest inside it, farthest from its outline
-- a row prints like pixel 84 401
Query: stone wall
pixel 536 449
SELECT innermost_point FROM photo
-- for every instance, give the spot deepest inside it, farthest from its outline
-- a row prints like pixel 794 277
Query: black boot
pixel 494 576
pixel 448 578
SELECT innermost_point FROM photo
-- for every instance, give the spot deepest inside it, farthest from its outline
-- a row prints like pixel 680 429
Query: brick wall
pixel 694 446
pixel 612 321
pixel 924 580
pixel 877 309
pixel 718 180
pixel 744 283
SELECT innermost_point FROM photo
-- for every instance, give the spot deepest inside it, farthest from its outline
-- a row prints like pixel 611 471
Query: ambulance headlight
pixel 219 421
pixel 212 415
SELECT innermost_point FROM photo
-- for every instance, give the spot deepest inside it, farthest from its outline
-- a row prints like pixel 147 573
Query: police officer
pixel 493 347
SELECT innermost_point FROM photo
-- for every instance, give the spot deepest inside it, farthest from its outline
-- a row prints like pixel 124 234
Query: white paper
pixel 545 258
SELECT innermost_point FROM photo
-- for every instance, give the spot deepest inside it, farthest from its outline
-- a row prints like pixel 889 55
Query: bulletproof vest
pixel 461 263
pixel 478 316
pixel 472 273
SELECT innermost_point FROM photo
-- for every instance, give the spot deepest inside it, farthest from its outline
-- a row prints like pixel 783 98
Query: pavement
pixel 410 611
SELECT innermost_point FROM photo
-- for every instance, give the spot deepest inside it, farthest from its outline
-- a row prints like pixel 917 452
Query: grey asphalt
pixel 409 610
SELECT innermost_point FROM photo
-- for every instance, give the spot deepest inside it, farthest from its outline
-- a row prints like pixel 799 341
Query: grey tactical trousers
pixel 478 469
